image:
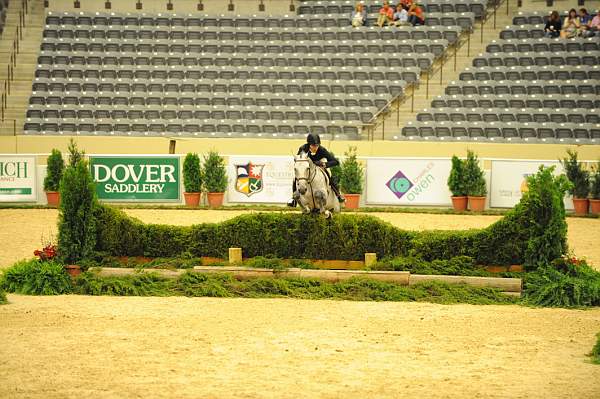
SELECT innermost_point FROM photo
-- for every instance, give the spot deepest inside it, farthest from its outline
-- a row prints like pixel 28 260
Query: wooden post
pixel 370 259
pixel 235 255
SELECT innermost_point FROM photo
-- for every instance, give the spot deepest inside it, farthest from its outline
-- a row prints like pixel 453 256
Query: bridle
pixel 309 179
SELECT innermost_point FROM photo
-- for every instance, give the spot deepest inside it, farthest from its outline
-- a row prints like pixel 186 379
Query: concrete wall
pixel 160 145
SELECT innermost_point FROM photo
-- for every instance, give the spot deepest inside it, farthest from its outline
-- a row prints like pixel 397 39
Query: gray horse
pixel 313 192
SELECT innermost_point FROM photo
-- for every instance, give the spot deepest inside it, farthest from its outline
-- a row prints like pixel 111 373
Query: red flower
pixel 47 253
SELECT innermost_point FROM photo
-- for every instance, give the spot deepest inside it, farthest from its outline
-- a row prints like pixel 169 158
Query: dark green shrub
pixel 215 174
pixel 457 266
pixel 54 171
pixel 595 354
pixel 351 179
pixel 474 176
pixel 75 154
pixel 563 283
pixel 579 177
pixel 3 300
pixel 143 284
pixel 542 212
pixel 265 263
pixel 192 174
pixel 224 285
pixel 336 171
pixel 199 285
pixel 34 277
pixel 595 182
pixel 456 180
pixel 77 224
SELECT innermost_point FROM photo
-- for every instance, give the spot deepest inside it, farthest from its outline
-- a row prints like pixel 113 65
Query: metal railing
pixel 12 59
pixel 395 103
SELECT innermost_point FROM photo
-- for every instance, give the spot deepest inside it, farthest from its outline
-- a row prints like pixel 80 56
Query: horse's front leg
pixel 302 202
pixel 321 199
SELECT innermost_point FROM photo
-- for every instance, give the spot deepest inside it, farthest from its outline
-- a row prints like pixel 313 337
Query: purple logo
pixel 399 184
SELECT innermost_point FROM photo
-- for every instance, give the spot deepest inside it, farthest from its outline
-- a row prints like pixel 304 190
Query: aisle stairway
pixel 29 45
pixel 452 66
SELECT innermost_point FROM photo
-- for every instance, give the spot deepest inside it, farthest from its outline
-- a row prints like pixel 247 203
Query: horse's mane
pixel 304 156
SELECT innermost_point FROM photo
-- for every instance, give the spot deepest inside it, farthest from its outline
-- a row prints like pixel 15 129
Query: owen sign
pixel 136 178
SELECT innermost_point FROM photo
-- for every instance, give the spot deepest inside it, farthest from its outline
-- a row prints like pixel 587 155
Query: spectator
pixel 586 20
pixel 386 14
pixel 400 16
pixel 595 24
pixel 359 15
pixel 415 15
pixel 405 4
pixel 553 25
pixel 571 25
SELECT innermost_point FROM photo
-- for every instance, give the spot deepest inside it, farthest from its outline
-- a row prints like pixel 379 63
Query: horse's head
pixel 303 167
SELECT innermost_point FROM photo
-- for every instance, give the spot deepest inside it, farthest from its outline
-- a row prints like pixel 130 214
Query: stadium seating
pixel 476 7
pixel 225 76
pixel 524 88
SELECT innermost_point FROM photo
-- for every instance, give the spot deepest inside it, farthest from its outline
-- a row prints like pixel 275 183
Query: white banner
pixel 509 181
pixel 260 179
pixel 408 181
pixel 17 178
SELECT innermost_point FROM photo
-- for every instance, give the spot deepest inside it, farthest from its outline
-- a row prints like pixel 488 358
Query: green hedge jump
pixel 534 232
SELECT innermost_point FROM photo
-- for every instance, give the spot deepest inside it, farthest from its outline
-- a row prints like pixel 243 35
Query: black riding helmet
pixel 313 139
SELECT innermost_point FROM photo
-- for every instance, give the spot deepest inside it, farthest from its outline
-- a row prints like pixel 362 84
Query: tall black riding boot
pixel 336 190
pixel 292 203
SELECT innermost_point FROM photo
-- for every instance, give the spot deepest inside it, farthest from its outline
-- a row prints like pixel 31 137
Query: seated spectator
pixel 553 25
pixel 586 20
pixel 400 16
pixel 571 25
pixel 595 24
pixel 359 15
pixel 406 4
pixel 386 14
pixel 415 15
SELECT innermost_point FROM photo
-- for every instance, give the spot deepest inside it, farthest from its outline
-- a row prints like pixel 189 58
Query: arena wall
pixel 160 145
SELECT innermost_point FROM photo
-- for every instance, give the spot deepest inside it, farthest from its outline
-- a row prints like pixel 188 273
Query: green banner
pixel 136 178
pixel 15 191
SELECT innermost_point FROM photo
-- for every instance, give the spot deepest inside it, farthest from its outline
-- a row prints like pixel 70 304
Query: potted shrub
pixel 595 190
pixel 192 179
pixel 54 171
pixel 351 179
pixel 215 178
pixel 457 184
pixel 580 180
pixel 475 183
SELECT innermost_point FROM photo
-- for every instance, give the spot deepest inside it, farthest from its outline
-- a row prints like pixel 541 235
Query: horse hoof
pixel 327 214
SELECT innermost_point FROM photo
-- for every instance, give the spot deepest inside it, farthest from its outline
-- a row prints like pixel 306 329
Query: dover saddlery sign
pixel 407 181
pixel 257 179
pixel 136 178
pixel 17 178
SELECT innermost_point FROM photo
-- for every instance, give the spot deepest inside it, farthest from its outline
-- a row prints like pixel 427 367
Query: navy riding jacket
pixel 320 154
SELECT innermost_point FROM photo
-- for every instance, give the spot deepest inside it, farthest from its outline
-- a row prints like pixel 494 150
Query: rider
pixel 316 153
